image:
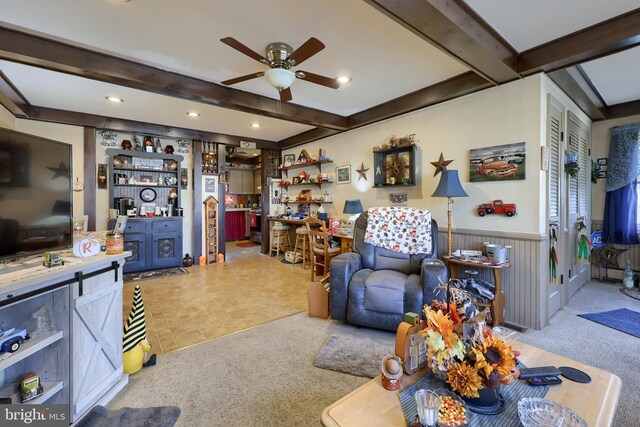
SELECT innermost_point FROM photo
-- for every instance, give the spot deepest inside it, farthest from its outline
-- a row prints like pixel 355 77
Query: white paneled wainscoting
pixel 525 283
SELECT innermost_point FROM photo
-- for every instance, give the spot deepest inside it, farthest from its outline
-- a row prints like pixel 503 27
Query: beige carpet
pixel 265 375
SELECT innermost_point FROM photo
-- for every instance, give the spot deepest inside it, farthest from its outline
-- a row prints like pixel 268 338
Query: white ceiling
pixel 66 92
pixel 528 23
pixel 616 76
pixel 384 59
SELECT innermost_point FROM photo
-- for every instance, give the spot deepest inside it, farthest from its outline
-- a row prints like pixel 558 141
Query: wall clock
pixel 148 194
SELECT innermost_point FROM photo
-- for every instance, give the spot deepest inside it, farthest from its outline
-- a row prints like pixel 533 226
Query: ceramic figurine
pixel 137 145
pixel 134 339
pixel 391 372
pixel 168 149
pixel 126 144
pixel 148 144
pixel 158 147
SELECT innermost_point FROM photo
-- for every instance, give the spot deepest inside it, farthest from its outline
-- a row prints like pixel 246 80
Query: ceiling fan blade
pixel 242 78
pixel 318 79
pixel 285 95
pixel 306 51
pixel 230 41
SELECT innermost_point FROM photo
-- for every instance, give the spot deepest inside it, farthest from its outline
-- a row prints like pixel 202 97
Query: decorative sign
pixel 86 248
pixel 247 144
pixel 183 146
pixel 398 198
pixel 209 185
pixel 142 163
pixel 109 138
pixel 597 239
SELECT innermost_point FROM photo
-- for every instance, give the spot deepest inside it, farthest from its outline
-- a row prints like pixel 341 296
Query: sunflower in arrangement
pixel 462 349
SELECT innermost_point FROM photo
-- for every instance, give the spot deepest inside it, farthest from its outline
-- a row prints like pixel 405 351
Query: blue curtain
pixel 621 202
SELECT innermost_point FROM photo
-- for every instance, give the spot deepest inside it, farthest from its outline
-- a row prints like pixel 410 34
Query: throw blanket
pixel 404 230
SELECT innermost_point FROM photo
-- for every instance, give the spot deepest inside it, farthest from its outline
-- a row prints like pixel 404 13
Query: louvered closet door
pixel 577 200
pixel 555 124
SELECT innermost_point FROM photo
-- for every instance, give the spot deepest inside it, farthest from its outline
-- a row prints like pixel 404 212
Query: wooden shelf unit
pixel 318 163
pixel 211 229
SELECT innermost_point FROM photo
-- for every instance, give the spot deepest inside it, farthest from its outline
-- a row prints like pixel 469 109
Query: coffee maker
pixel 123 204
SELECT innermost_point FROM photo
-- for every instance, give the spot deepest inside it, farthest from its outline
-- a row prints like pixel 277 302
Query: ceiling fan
pixel 280 57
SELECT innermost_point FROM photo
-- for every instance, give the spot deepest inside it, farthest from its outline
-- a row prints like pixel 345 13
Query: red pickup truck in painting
pixel 497 207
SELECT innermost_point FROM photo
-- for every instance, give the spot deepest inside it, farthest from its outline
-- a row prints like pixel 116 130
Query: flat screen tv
pixel 35 195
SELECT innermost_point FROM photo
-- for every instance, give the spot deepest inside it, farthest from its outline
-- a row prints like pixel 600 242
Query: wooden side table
pixel 497 305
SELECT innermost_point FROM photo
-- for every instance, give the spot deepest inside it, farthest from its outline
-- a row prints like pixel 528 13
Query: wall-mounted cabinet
pixel 241 181
pixel 395 167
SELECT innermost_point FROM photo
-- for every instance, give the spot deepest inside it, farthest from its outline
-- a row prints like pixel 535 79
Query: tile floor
pixel 249 289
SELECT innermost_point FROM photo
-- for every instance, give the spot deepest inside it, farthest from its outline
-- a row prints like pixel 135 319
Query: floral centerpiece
pixel 465 351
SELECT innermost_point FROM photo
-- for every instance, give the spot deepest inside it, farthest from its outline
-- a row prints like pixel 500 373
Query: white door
pixel 97 341
pixel 577 201
pixel 555 126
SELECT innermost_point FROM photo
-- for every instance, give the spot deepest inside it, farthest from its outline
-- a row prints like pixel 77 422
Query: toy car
pixel 11 339
pixel 497 207
pixel 52 259
pixel 30 387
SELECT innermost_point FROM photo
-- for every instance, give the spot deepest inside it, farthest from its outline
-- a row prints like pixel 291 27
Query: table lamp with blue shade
pixel 353 207
pixel 449 187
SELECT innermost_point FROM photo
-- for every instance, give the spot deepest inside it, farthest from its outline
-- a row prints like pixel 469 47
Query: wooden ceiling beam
pixel 602 39
pixel 54 55
pixel 618 111
pixel 453 27
pixel 12 99
pixel 100 122
pixel 306 137
pixel 454 87
pixel 569 85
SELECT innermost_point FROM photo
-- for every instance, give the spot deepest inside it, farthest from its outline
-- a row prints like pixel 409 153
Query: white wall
pixel 7 120
pixel 601 135
pixel 73 135
pixel 502 115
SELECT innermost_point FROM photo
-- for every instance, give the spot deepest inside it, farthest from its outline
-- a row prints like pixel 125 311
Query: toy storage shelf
pixel 30 347
pixel 50 389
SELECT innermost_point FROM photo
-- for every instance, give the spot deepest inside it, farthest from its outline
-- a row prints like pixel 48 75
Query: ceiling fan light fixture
pixel 280 78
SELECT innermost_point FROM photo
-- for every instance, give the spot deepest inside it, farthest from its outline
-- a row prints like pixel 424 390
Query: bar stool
pixel 301 237
pixel 280 239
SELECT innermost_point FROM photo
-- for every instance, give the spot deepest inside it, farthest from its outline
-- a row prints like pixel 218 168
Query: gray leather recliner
pixel 374 287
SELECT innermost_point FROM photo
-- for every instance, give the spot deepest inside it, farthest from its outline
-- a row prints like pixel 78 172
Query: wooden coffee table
pixel 371 405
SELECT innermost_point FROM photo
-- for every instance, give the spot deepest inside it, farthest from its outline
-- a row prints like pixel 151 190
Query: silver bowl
pixel 537 412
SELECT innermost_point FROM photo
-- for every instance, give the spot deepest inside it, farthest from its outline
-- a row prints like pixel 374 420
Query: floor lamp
pixel 449 187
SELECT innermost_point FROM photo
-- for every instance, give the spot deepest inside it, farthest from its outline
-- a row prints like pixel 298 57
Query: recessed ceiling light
pixel 255 125
pixel 114 99
pixel 254 154
pixel 344 79
pixel 193 114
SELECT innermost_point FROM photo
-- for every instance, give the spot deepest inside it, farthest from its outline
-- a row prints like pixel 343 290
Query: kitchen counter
pixel 236 209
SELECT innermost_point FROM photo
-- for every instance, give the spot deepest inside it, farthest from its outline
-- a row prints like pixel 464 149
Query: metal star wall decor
pixel 60 171
pixel 362 171
pixel 441 164
pixel 608 255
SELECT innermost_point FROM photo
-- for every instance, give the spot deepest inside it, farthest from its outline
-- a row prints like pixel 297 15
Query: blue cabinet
pixel 155 243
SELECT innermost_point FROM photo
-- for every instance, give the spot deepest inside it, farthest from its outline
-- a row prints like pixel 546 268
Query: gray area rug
pixel 99 416
pixel 355 356
pixel 265 375
pixel 129 277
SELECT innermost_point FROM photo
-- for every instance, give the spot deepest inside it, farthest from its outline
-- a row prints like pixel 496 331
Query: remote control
pixel 542 371
pixel 544 380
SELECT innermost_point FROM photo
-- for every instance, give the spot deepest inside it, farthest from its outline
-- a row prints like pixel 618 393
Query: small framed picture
pixel 343 174
pixel 296 180
pixel 602 174
pixel 288 160
pixel 146 178
pixel 602 161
